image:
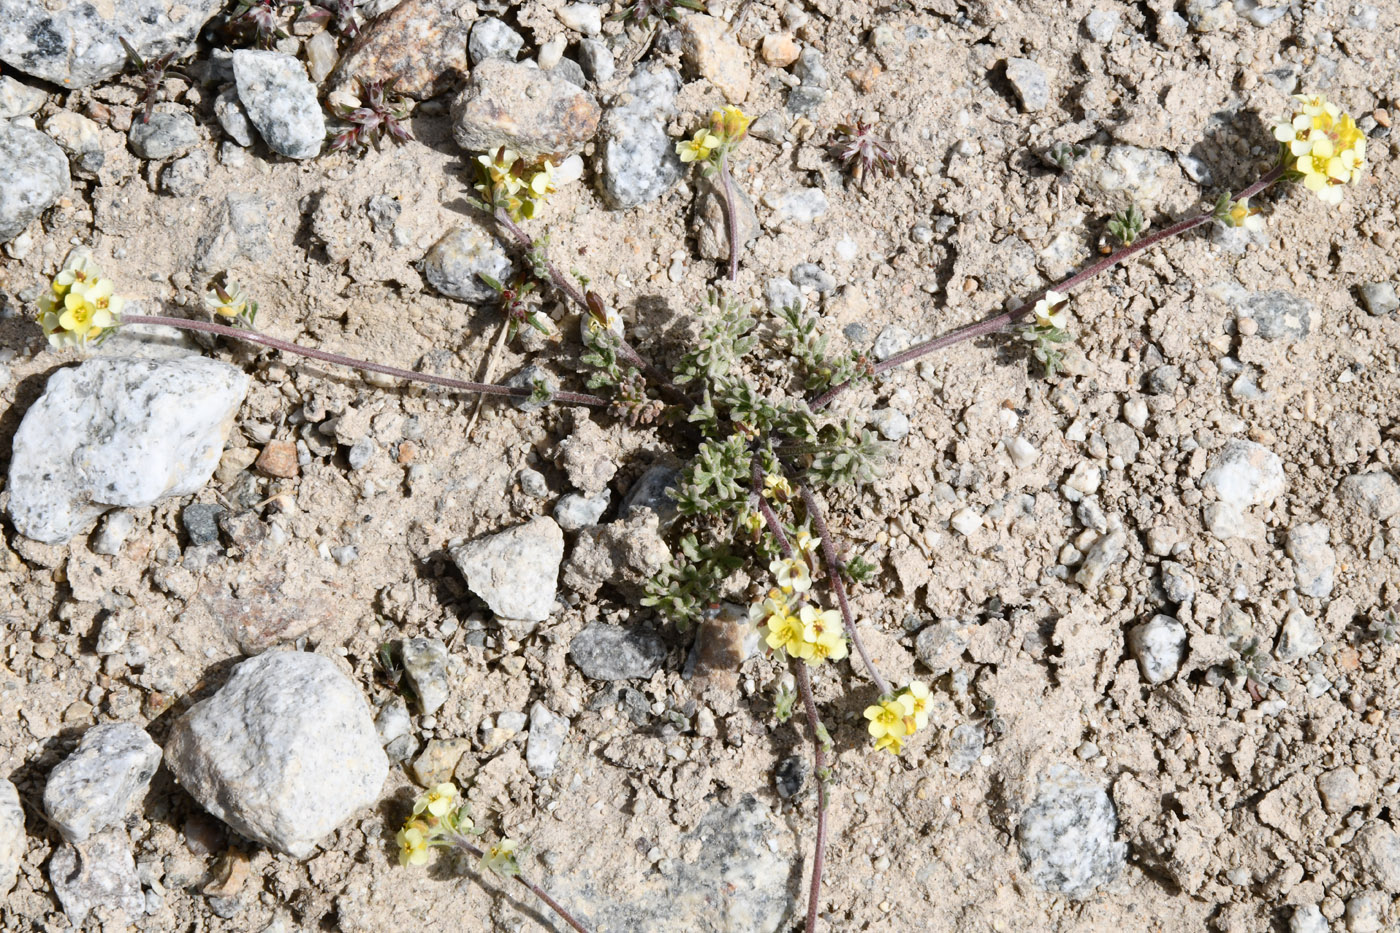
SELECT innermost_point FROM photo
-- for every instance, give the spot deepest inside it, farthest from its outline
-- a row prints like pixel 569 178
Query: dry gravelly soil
pixel 1234 810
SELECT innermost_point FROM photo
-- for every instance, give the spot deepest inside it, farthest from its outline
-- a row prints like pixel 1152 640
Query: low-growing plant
pixel 152 74
pixel 381 113
pixel 861 152
pixel 760 447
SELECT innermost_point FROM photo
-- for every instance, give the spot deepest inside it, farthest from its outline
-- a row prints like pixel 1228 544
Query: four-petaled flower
pixel 805 542
pixel 887 718
pixel 437 801
pixel 500 858
pixel 823 636
pixel 1049 311
pixel 776 488
pixel 698 147
pixel 413 843
pixel 793 574
pixel 1240 214
pixel 917 695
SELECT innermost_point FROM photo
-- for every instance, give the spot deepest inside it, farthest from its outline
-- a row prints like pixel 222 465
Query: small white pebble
pixel 966 521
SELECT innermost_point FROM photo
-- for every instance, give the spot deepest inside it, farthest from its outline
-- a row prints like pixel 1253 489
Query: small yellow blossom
pixel 413 843
pixel 79 269
pixel 793 574
pixel 751 521
pixel 1049 311
pixel 699 147
pixel 231 302
pixel 806 543
pixel 437 801
pixel 823 635
pixel 784 632
pixel 1240 214
pixel 592 327
pixel 731 124
pixel 917 697
pixel 501 858
pixel 890 742
pixel 887 718
pixel 542 181
pixel 776 488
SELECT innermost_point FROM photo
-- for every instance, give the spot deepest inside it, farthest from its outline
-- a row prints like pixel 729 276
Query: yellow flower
pixel 84 312
pixel 894 744
pixel 823 635
pixel 1324 146
pixel 592 327
pixel 793 574
pixel 437 801
pixel 78 269
pixel 785 632
pixel 542 181
pixel 806 543
pixel 776 488
pixel 730 124
pixel 698 147
pixel 751 521
pixel 413 843
pixel 230 302
pixel 887 718
pixel 500 858
pixel 1049 311
pixel 915 698
pixel 774 603
pixel 1240 214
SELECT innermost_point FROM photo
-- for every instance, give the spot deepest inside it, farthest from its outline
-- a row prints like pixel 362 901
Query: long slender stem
pixel 814 893
pixel 571 291
pixel 833 573
pixel 731 216
pixel 286 346
pixel 475 851
pixel 998 321
pixel 766 510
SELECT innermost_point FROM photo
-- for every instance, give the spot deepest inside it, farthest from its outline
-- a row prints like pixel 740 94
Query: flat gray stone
pixel 1297 638
pixel 1030 82
pixel 1158 645
pixel 454 265
pixel 1380 298
pixel 100 873
pixel 492 38
pixel 612 652
pixel 575 511
pixel 163 136
pixel 99 783
pixel 35 171
pixel 425 666
pixel 119 433
pixel 548 732
pixel 1314 562
pixel 639 161
pixel 1066 835
pixel 534 112
pixel 285 752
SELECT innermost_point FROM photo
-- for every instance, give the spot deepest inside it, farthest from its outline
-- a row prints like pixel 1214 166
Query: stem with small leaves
pixel 999 321
pixel 462 842
pixel 286 346
pixel 833 573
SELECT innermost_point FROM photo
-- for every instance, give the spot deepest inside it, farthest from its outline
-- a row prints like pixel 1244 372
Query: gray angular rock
pixel 780 294
pixel 228 110
pixel 571 71
pixel 1380 298
pixel 1103 554
pixel 797 205
pixel 965 744
pixel 12 837
pixel 650 491
pixel 940 645
pixel 1376 854
pixel 892 424
pixel 454 265
pixel 1297 638
pixel 639 161
pixel 1178 583
pixel 1102 24
pixel 1120 176
pixel 79 44
pixel 523 108
pixel 613 652
pixel 810 275
pixel 425 666
pixel 1314 563
pixel 79 137
pixel 102 874
pixel 576 511
pixel 1066 835
pixel 96 786
pixel 18 99
pixel 492 38
pixel 118 432
pixel 598 61
pixel 891 341
pixel 533 377
pixel 548 732
pixel 1030 82
pixel 186 176
pixel 1280 315
pixel 36 175
pixel 515 572
pixel 1243 475
pixel 420 45
pixel 280 101
pixel 284 752
pixel 163 136
pixel 1158 645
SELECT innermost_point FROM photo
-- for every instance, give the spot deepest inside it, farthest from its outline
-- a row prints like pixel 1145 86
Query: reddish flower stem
pixel 833 573
pixel 731 216
pixel 461 842
pixel 998 321
pixel 286 346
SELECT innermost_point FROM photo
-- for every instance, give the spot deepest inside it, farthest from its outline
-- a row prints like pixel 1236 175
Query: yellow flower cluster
pixel 509 181
pixel 1323 145
pixel 727 127
pixel 809 634
pixel 79 307
pixel 437 815
pixel 895 719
